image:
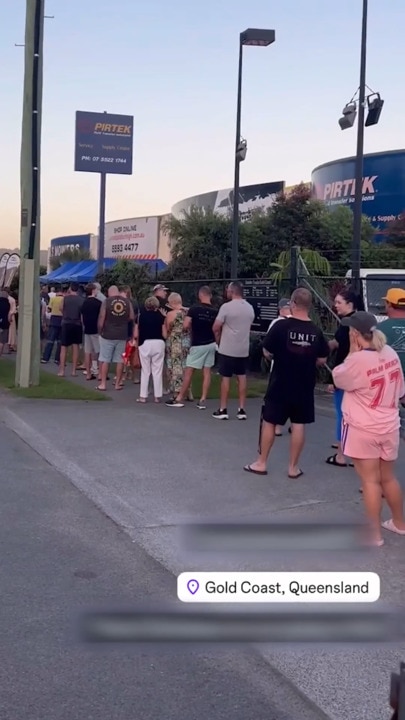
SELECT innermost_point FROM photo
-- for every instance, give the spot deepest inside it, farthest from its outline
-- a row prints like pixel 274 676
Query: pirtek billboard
pixel 383 186
pixel 104 143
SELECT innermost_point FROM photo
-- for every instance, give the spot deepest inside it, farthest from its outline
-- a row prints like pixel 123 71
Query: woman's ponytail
pixel 378 340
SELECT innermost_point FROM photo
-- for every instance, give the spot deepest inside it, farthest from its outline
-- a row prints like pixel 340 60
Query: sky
pixel 172 64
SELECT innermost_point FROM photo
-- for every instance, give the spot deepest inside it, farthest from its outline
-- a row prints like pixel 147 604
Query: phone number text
pixel 129 247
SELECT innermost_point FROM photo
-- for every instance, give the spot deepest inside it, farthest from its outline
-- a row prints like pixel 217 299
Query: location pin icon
pixel 192 586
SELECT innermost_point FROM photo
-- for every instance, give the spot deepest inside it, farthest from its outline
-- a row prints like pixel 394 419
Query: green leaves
pixel 126 272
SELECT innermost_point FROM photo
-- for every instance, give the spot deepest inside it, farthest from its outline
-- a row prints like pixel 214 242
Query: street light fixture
pixel 255 38
pixel 353 108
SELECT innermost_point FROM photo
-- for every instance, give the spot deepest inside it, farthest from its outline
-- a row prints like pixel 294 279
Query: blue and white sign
pixel 104 143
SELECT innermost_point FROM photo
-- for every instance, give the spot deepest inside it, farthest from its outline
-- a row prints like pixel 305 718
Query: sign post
pixel 104 144
pixel 263 295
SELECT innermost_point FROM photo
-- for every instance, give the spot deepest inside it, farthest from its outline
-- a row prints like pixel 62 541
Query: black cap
pixel 362 321
pixel 283 303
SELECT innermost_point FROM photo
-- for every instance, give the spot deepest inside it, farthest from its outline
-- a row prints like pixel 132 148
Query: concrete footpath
pixel 61 556
pixel 152 468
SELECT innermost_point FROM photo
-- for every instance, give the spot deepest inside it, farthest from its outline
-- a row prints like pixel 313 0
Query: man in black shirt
pixel 90 312
pixel 297 347
pixel 5 320
pixel 200 319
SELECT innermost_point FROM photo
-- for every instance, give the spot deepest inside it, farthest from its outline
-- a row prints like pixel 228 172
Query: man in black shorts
pixel 297 347
pixel 232 333
pixel 72 329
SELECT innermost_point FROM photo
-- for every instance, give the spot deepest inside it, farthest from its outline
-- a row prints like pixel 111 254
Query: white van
pixel 376 282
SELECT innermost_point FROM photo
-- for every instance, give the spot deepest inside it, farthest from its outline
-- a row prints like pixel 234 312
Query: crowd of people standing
pixel 369 390
pixel 163 343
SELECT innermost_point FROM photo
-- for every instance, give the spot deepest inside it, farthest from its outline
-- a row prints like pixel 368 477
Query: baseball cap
pixel 362 321
pixel 284 303
pixel 395 296
pixel 160 287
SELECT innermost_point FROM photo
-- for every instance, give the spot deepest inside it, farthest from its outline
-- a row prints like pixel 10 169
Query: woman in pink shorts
pixel 373 383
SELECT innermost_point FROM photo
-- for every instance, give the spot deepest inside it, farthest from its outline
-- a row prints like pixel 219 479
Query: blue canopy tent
pixel 55 274
pixel 85 271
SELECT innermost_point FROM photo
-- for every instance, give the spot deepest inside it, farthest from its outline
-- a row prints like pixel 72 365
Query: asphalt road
pixel 60 555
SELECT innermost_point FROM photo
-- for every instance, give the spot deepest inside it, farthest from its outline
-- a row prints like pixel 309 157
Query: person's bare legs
pixel 103 375
pixel 87 363
pixel 187 377
pixel 118 376
pixel 225 385
pixel 370 475
pixel 75 359
pixel 62 364
pixel 242 385
pixel 206 384
pixel 297 442
pixel 392 493
pixel 279 429
pixel 267 436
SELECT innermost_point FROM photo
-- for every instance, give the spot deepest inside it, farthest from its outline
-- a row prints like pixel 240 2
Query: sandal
pixel 331 460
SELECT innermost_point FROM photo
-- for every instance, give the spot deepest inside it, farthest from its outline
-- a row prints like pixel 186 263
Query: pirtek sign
pixel 347 188
pixel 116 129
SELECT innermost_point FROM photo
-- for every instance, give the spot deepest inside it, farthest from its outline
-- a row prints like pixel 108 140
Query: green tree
pixel 395 232
pixel 201 245
pixel 126 272
pixel 69 256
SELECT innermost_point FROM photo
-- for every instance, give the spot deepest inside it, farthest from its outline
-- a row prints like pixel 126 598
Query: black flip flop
pixel 278 434
pixel 249 469
pixel 331 460
pixel 294 477
pixel 335 446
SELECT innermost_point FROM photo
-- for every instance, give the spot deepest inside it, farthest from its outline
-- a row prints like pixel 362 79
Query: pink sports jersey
pixel 373 383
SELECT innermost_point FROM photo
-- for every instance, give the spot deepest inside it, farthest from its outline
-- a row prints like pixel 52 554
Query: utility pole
pixel 28 354
pixel 358 198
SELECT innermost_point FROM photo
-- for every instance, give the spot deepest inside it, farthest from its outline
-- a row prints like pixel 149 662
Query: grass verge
pixel 256 387
pixel 51 387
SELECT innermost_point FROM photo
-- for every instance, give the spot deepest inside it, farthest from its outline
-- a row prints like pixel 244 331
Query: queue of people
pixel 369 389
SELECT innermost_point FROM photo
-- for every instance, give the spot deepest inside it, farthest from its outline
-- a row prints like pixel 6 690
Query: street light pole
pixel 236 182
pixel 258 38
pixel 28 351
pixel 358 198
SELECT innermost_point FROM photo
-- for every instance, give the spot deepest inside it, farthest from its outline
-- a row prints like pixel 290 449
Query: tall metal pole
pixel 101 222
pixel 358 198
pixel 28 352
pixel 101 229
pixel 235 222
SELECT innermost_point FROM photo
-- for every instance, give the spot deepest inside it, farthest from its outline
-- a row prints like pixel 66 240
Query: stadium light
pixel 253 37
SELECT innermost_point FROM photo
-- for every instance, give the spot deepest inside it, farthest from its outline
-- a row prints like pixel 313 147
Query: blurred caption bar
pixel 268 537
pixel 236 626
pixel 279 587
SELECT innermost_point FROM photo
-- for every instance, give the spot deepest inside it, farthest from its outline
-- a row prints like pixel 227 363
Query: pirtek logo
pixel 116 129
pixel 347 188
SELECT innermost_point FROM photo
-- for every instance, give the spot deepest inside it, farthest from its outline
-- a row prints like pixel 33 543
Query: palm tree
pixel 313 272
pixel 310 262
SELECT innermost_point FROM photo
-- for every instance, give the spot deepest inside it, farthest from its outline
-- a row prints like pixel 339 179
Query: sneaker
pixel 221 414
pixel 201 405
pixel 174 403
pixel 44 362
pixel 241 414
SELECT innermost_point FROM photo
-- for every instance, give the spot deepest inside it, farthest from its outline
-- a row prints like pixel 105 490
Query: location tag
pixel 192 586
